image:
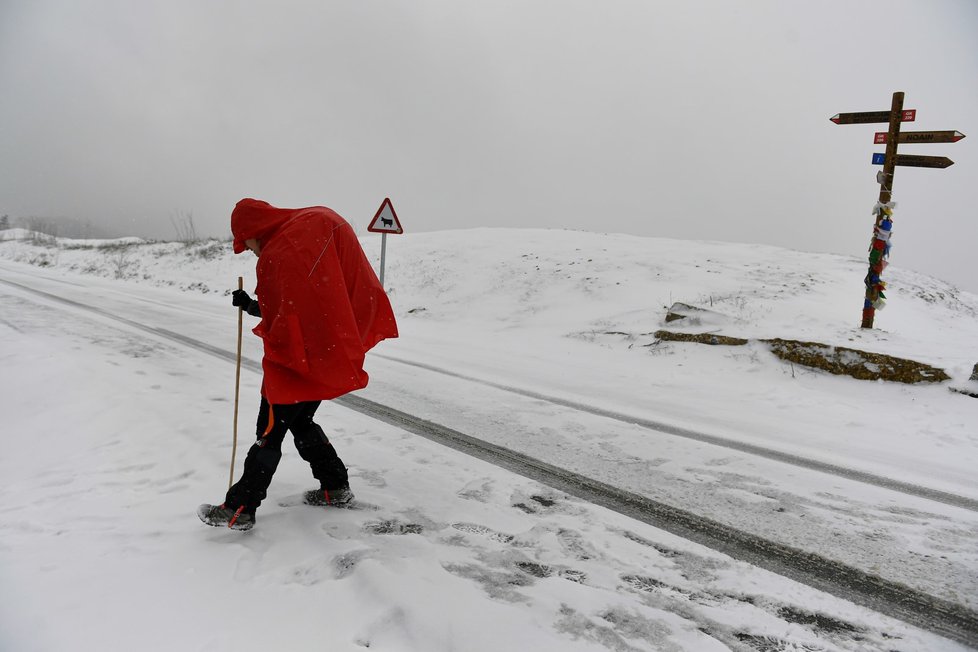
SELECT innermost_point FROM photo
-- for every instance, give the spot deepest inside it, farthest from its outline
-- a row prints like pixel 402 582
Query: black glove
pixel 240 299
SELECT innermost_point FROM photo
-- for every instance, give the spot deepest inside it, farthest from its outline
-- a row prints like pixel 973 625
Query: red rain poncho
pixel 321 303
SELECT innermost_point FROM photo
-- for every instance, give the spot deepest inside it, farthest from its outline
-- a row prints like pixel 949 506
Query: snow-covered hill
pixel 600 287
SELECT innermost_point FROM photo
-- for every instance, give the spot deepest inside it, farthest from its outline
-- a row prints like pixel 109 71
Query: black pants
pixel 264 455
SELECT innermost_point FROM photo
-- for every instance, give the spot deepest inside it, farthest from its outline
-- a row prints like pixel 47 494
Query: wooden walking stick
pixel 237 388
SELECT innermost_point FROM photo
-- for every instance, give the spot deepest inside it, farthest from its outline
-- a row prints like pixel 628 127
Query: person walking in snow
pixel 322 308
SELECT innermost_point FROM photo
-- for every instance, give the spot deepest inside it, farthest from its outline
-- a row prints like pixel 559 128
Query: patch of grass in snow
pixel 838 360
pixel 861 365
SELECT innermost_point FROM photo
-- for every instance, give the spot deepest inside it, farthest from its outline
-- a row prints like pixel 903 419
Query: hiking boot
pixel 340 497
pixel 221 516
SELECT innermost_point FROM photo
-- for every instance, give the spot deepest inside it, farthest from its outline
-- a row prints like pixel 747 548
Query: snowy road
pixel 735 487
pixel 779 456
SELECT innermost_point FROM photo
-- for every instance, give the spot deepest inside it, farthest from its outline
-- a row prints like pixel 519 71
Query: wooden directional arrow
pixel 921 137
pixel 914 161
pixel 866 117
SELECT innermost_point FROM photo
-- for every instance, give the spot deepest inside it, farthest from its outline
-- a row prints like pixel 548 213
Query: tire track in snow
pixel 893 599
pixel 778 456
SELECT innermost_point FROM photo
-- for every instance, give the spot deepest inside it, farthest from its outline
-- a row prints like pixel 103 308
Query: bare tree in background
pixel 42 226
pixel 121 259
pixel 183 224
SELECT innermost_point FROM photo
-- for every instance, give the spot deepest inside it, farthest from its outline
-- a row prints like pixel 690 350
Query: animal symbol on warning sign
pixel 385 221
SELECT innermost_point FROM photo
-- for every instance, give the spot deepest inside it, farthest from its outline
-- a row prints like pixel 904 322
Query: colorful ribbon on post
pixel 879 251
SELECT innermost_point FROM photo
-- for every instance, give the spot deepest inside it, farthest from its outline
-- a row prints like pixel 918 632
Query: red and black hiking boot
pixel 221 516
pixel 341 497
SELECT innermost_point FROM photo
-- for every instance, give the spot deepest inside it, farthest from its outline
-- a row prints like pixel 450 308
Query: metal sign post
pixel 385 221
pixel 383 257
pixel 880 246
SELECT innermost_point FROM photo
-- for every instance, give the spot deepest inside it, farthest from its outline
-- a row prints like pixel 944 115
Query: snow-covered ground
pixel 115 435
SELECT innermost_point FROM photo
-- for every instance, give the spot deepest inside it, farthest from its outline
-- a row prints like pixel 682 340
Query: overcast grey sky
pixel 701 119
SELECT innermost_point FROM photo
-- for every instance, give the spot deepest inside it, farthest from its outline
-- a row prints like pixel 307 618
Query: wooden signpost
pixel 868 117
pixel 880 246
pixel 922 137
pixel 915 161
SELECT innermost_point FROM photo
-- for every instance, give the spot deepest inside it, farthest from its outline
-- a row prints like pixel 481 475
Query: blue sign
pixel 878 159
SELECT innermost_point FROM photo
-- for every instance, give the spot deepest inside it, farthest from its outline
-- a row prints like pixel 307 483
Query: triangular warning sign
pixel 385 221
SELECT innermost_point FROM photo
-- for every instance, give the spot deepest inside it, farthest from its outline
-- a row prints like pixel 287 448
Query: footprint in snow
pixel 481 530
pixel 543 570
pixel 345 564
pixel 574 545
pixel 536 503
pixel 393 526
pixel 310 574
pixel 479 490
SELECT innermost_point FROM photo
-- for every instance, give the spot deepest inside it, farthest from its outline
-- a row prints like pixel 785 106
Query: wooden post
pixel 892 140
pixel 237 390
pixel 886 191
pixel 879 246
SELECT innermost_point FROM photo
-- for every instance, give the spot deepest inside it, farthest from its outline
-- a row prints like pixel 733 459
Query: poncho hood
pixel 254 218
